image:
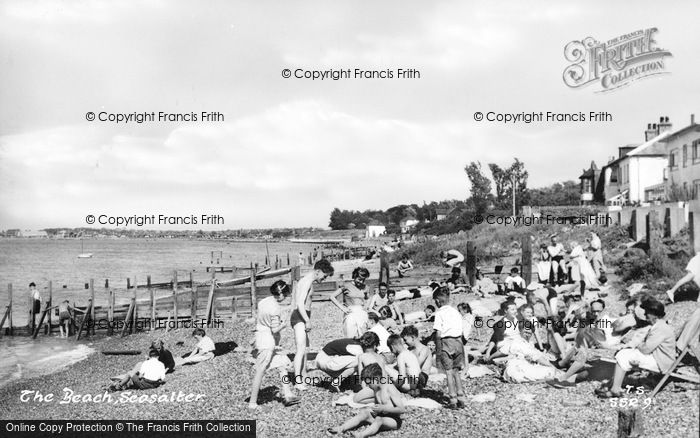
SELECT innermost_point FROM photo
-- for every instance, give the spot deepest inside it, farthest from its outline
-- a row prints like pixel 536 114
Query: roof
pixel 647 148
pixel 680 132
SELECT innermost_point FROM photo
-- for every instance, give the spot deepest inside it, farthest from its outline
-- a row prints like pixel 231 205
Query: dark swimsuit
pixel 296 318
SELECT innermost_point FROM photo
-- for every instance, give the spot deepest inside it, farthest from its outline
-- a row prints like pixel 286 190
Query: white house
pixel 637 166
pixel 375 229
pixel 407 223
pixel 683 172
pixel 33 233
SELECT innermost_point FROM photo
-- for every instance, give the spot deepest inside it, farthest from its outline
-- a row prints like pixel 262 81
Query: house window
pixel 696 151
pixel 685 155
pixel 673 159
pixel 586 185
pixel 696 188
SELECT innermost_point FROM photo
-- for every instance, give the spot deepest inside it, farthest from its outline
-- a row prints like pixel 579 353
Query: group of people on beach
pixel 151 372
pixel 549 330
pixel 390 365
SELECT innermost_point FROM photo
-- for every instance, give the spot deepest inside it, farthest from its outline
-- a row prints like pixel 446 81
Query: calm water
pixel 24 358
pixel 42 260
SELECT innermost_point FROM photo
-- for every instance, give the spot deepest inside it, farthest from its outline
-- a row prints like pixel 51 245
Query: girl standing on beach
pixel 300 319
pixel 354 295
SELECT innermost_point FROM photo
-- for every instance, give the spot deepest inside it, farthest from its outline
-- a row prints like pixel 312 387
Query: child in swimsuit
pixel 385 414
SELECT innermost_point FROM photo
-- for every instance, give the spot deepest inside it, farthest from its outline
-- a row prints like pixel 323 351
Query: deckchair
pixel 687 340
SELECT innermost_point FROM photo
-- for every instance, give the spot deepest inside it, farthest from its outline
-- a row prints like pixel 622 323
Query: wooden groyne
pixel 178 303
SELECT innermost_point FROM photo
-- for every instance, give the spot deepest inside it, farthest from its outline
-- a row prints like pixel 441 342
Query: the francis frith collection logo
pixel 616 62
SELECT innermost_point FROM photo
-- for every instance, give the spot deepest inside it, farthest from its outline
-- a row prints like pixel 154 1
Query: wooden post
pixel 193 302
pixel 2 323
pixel 127 319
pixel 629 423
pixel 653 231
pixel 31 313
pixel 9 317
pixel 175 315
pixel 526 257
pixel 152 295
pixel 86 315
pixel 253 292
pixel 210 299
pixel 92 306
pixel 110 314
pixel 50 299
pixel 47 309
pixel 471 262
pixel 134 316
pixel 383 268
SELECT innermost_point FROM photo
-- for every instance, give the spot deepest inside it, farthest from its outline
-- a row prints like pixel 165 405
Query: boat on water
pixel 83 254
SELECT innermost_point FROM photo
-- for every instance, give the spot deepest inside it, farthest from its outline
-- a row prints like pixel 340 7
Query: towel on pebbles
pixel 485 397
pixel 425 403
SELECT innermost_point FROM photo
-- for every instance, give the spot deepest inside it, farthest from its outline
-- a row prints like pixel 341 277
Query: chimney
pixel 692 119
pixel 650 132
pixel 664 125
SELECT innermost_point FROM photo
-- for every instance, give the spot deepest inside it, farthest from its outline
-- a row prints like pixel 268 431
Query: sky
pixel 290 150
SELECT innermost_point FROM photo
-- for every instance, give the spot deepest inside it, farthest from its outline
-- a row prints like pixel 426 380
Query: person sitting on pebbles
pixel 164 356
pixel 151 374
pixel 404 266
pixel 203 351
pixel 385 414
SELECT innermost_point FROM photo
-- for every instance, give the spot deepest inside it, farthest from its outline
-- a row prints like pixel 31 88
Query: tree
pixel 565 193
pixel 504 178
pixel 480 187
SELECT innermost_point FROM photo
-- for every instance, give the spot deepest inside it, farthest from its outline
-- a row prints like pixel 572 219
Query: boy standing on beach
pixel 267 339
pixel 35 303
pixel 385 414
pixel 300 319
pixel 449 351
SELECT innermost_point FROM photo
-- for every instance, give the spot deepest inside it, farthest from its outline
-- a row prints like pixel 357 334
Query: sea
pixel 41 261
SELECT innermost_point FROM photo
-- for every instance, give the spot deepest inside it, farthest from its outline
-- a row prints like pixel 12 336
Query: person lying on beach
pixel 404 266
pixel 408 377
pixel 203 351
pixel 164 355
pixel 453 288
pixel 151 374
pixel 385 414
pixel 267 339
pixel 419 316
